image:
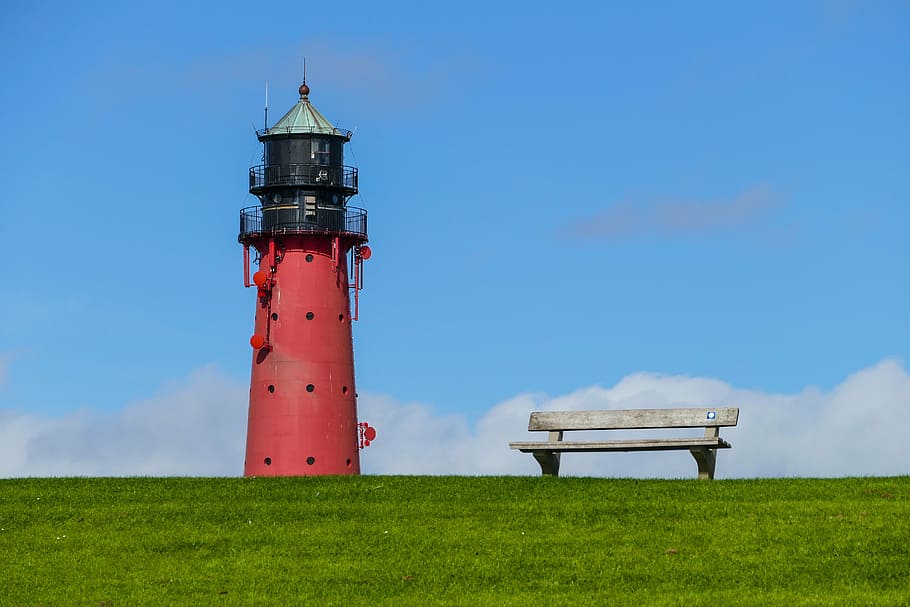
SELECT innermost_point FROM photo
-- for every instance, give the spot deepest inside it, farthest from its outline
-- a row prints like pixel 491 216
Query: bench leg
pixel 549 462
pixel 706 460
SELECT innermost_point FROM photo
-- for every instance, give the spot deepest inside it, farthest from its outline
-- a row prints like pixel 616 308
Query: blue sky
pixel 560 196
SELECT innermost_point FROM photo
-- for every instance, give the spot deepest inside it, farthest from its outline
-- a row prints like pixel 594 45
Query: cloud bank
pixel 676 217
pixel 196 427
pixel 858 428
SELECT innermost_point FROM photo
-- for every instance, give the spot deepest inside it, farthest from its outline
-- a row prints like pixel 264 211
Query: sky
pixel 571 205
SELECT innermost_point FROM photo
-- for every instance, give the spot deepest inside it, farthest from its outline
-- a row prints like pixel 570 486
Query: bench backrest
pixel 629 419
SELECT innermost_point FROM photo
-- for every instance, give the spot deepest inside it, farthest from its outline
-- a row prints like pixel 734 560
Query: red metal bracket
pixel 358 254
pixel 246 266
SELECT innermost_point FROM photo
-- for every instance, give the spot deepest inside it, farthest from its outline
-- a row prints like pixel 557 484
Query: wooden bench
pixel 703 449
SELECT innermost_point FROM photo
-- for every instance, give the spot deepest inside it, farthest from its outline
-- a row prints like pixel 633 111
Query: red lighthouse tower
pixel 310 248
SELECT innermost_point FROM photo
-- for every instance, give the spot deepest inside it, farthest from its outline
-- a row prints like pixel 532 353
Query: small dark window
pixel 268 461
pixel 311 460
pixel 274 316
pixel 309 258
pixel 271 388
pixel 310 387
pixel 319 151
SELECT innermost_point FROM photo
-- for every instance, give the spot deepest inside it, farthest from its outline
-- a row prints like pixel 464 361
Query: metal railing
pixel 258 220
pixel 262 176
pixel 288 130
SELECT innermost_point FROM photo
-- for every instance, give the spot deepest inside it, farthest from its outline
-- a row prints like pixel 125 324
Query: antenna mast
pixel 266 121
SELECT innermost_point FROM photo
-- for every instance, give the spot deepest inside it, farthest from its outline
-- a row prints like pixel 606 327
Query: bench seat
pixel 624 445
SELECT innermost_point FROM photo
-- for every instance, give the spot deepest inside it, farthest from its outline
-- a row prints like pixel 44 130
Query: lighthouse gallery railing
pixel 348 220
pixel 303 174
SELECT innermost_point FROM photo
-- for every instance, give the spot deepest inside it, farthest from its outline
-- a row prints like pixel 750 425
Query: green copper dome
pixel 303 118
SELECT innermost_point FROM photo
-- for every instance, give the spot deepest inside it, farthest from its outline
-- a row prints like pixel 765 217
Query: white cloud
pixel 196 427
pixel 674 217
pixel 384 74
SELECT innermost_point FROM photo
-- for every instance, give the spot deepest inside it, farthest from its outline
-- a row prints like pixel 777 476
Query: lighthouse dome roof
pixel 303 118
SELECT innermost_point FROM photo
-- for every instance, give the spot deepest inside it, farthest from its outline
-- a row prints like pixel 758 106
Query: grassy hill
pixel 454 541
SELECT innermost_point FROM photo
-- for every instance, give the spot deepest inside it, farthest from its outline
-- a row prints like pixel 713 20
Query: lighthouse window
pixel 319 151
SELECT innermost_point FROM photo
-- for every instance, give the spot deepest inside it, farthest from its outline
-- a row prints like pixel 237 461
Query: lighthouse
pixel 307 247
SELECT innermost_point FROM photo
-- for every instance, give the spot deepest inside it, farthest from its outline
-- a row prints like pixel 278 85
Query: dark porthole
pixel 271 388
pixel 309 258
pixel 348 462
pixel 311 460
pixel 310 316
pixel 268 461
pixel 344 389
pixel 274 316
pixel 341 318
pixel 310 387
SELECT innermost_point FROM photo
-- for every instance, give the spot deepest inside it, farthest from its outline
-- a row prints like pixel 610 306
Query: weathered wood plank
pixel 631 419
pixel 624 445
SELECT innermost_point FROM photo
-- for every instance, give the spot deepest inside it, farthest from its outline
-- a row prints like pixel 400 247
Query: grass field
pixel 454 541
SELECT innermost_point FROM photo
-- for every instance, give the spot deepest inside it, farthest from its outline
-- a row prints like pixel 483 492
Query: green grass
pixel 454 541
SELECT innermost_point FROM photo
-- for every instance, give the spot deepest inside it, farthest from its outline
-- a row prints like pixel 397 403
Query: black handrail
pixel 257 220
pixel 262 176
pixel 288 130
